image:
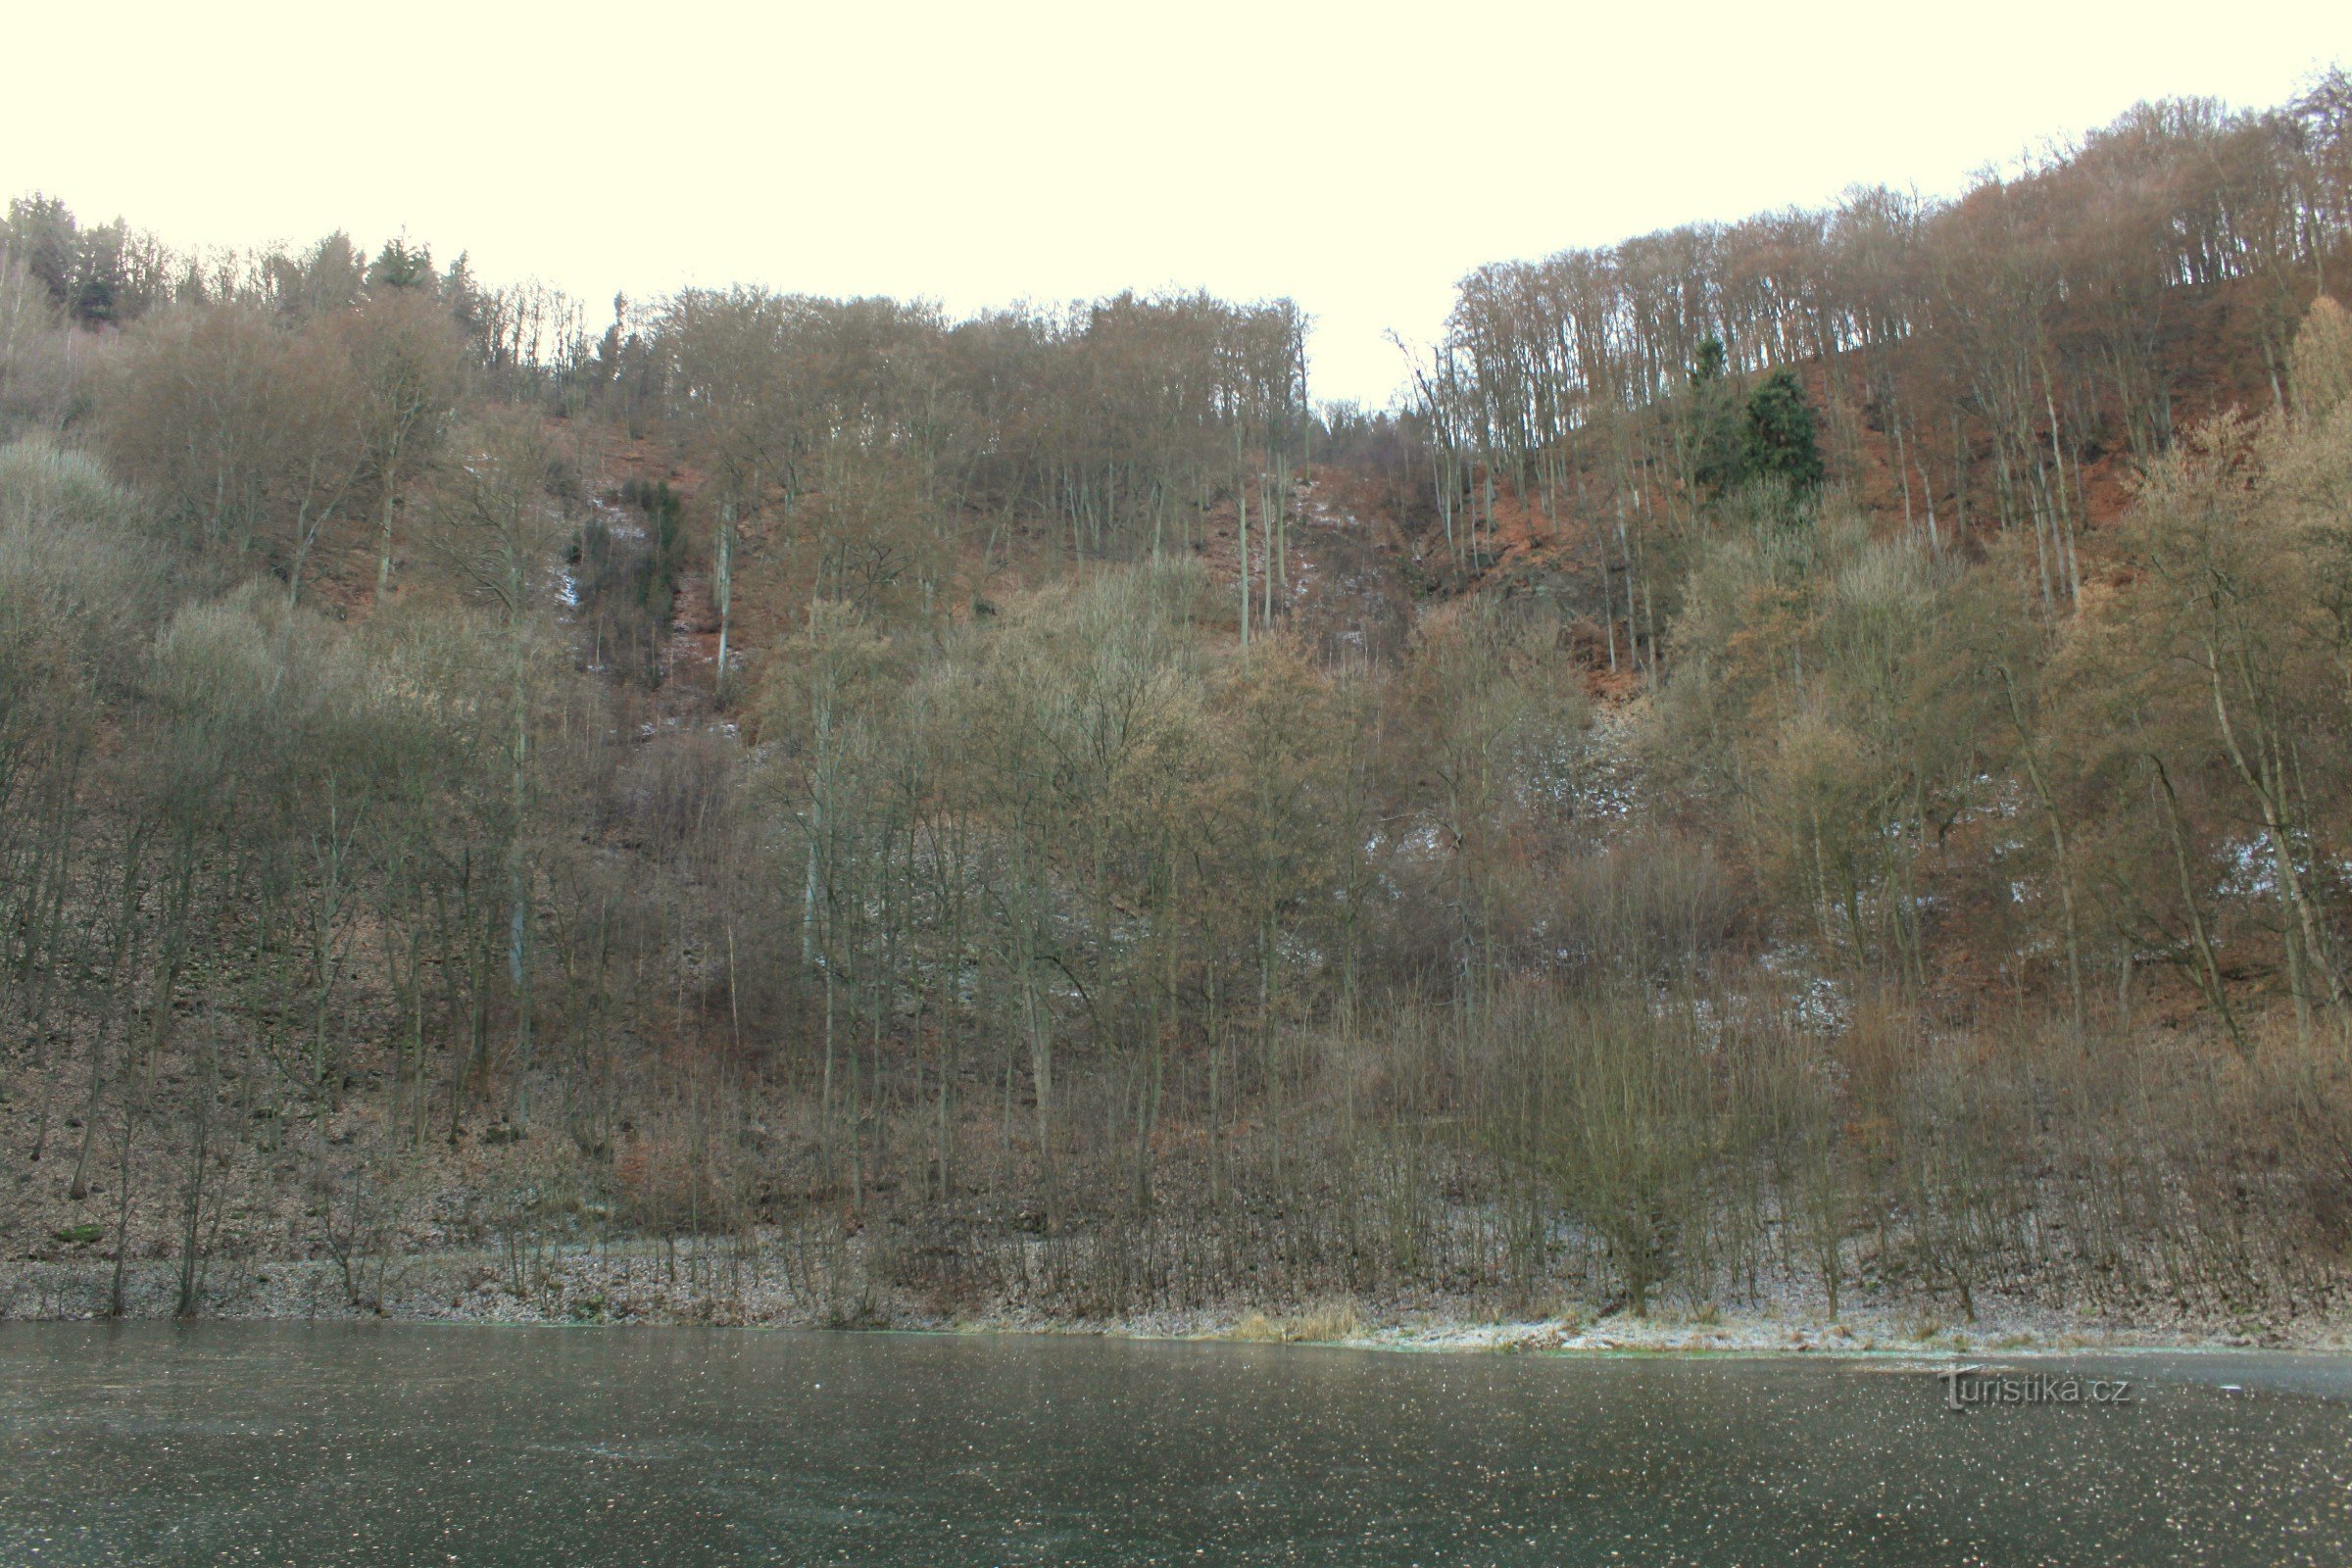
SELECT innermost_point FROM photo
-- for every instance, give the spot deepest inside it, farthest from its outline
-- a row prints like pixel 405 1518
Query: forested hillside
pixel 1805 761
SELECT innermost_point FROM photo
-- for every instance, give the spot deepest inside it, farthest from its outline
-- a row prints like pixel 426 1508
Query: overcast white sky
pixel 1358 158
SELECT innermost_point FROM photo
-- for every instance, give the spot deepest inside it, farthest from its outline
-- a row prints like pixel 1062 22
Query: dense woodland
pixel 1812 754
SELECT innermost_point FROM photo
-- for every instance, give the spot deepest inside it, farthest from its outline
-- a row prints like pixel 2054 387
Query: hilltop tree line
pixel 1986 348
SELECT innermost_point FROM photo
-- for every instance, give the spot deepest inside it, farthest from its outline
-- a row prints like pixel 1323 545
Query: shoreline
pixel 581 1291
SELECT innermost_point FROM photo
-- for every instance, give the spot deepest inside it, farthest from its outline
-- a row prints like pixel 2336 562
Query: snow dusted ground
pixel 647 1284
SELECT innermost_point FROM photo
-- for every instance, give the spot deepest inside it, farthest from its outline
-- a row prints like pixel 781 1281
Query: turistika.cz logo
pixel 1967 1387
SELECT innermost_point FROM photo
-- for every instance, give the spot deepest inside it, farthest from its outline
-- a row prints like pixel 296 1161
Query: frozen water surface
pixel 282 1444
